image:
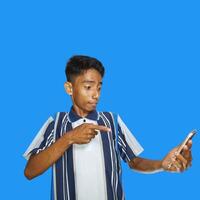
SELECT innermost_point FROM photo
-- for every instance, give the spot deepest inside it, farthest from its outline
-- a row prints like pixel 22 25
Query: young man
pixel 85 146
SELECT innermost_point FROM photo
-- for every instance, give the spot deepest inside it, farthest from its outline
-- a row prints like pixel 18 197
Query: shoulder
pixel 58 116
pixel 108 115
pixel 61 115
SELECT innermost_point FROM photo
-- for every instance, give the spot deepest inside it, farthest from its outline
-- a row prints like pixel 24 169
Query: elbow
pixel 132 164
pixel 136 164
pixel 29 170
pixel 28 174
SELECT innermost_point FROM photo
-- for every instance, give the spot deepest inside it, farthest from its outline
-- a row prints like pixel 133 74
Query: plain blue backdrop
pixel 151 51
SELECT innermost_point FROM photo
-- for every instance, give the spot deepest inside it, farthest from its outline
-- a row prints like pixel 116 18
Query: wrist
pixel 158 167
pixel 163 167
pixel 69 138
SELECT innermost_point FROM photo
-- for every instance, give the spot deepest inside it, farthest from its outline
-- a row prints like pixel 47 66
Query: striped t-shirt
pixel 87 171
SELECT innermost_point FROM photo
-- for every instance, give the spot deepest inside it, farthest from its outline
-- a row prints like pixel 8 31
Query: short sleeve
pixel 42 140
pixel 128 145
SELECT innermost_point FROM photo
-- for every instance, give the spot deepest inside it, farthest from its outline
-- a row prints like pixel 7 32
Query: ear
pixel 68 88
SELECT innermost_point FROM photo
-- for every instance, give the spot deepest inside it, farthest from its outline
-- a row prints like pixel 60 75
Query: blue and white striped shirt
pixel 88 171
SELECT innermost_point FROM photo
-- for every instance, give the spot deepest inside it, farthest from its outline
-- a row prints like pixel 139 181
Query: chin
pixel 90 109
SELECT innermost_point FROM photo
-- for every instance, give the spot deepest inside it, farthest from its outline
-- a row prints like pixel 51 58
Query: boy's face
pixel 85 91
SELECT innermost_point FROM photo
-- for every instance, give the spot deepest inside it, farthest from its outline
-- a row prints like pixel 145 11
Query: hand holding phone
pixel 185 162
pixel 189 137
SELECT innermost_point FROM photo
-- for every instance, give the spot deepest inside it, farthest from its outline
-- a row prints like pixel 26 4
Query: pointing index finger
pixel 100 128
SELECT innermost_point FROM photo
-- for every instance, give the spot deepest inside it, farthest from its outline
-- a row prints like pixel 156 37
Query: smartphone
pixel 189 137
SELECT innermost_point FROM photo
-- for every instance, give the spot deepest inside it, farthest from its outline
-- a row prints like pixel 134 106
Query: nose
pixel 96 95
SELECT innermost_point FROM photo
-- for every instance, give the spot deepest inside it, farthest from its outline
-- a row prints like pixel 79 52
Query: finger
pixel 88 141
pixel 89 136
pixel 100 128
pixel 94 132
pixel 181 159
pixel 84 141
pixel 188 157
pixel 173 169
pixel 189 144
pixel 182 166
pixel 93 136
pixel 189 164
pixel 177 164
pixel 185 148
pixel 186 154
pixel 178 167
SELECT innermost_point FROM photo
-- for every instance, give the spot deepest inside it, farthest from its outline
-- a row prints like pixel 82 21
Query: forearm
pixel 40 162
pixel 145 165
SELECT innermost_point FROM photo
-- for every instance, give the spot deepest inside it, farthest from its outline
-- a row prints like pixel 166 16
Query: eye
pixel 87 87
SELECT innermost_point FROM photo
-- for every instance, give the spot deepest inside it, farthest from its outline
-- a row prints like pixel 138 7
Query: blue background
pixel 151 53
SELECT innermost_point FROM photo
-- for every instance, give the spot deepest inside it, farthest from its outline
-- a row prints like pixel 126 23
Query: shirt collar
pixel 93 115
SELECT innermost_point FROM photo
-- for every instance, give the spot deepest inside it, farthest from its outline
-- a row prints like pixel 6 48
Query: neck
pixel 80 112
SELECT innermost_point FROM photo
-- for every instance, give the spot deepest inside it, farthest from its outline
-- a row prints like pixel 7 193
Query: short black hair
pixel 78 64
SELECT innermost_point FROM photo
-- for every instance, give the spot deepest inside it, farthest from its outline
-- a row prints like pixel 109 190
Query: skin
pixel 179 162
pixel 85 92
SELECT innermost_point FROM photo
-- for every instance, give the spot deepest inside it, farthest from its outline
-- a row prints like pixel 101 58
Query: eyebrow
pixel 88 81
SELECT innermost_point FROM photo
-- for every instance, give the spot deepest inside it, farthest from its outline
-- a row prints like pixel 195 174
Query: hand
pixel 186 153
pixel 174 162
pixel 84 133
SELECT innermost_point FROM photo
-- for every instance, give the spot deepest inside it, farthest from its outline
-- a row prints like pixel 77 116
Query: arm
pixel 172 162
pixel 145 165
pixel 40 162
